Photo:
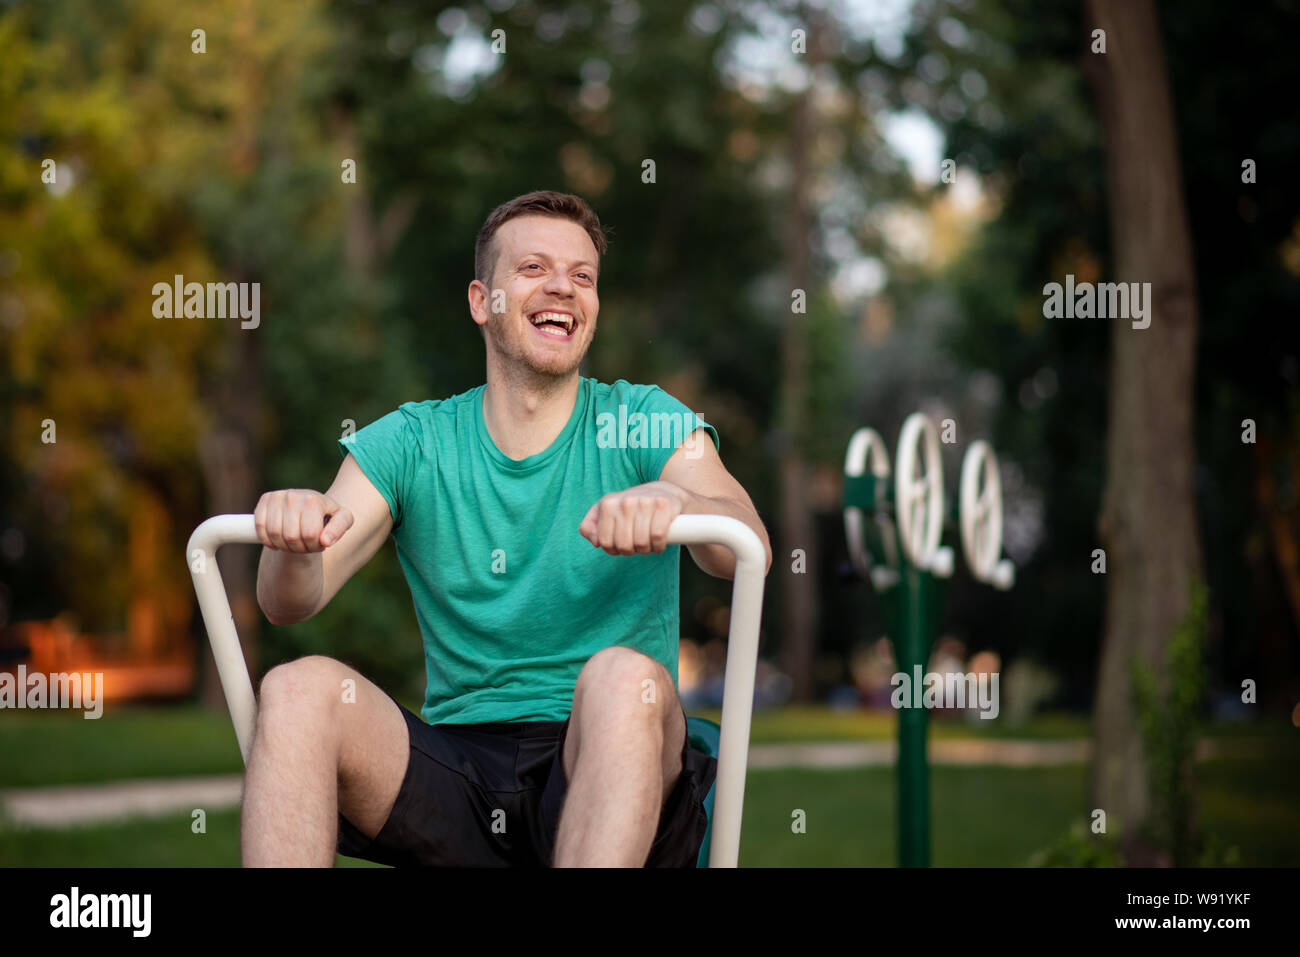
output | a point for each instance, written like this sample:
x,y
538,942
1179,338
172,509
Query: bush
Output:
x,y
1169,723
1078,848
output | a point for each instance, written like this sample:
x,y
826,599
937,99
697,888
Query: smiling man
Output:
x,y
547,596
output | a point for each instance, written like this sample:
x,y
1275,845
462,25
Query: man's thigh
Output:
x,y
374,749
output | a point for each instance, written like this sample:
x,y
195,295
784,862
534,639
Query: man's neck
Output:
x,y
525,415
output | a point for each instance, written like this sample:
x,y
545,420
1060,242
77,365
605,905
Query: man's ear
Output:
x,y
477,291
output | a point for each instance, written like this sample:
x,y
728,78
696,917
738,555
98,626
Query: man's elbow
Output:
x,y
276,619
270,613
288,616
278,615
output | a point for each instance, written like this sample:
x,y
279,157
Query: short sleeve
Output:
x,y
387,450
670,424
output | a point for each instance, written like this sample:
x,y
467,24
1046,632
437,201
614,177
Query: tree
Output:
x,y
1148,518
1033,134
799,611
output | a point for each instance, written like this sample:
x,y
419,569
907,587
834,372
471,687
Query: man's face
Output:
x,y
546,268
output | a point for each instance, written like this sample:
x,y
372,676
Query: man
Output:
x,y
533,537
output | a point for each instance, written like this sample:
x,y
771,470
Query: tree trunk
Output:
x,y
228,452
1148,517
799,610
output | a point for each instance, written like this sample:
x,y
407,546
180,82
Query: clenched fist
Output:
x,y
300,520
634,521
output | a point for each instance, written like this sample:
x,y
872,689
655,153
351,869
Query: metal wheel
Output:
x,y
981,510
866,449
918,490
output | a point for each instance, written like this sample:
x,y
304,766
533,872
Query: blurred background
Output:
x,y
919,168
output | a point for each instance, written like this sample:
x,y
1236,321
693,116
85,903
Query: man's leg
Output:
x,y
318,752
622,758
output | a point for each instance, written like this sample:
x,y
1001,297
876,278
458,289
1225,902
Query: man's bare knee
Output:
x,y
622,683
621,676
306,689
315,702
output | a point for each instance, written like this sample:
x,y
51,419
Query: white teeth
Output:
x,y
566,321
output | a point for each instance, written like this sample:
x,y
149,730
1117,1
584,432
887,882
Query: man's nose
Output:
x,y
559,282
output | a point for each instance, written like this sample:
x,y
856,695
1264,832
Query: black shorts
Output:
x,y
489,795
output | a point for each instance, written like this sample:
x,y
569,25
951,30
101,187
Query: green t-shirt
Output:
x,y
511,600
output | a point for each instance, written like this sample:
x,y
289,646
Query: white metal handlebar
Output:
x,y
737,693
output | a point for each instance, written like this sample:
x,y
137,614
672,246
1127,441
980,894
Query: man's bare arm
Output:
x,y
307,559
697,470
693,482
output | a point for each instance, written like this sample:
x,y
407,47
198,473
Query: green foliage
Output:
x,y
1079,848
1168,709
1168,718
1035,140
1216,852
227,163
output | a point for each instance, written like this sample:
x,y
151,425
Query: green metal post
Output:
x,y
911,608
915,634
912,599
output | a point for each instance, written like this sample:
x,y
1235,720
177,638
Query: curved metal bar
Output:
x,y
742,650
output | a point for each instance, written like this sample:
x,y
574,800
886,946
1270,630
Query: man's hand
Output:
x,y
307,558
300,520
634,521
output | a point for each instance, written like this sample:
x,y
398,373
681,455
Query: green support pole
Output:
x,y
911,599
917,614
913,790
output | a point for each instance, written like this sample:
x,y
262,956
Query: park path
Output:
x,y
71,805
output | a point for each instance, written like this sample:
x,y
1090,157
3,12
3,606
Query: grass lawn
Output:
x,y
165,841
39,748
819,723
996,817
982,817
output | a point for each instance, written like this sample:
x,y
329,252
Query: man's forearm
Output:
x,y
718,560
289,585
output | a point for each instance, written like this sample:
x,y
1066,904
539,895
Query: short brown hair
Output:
x,y
543,202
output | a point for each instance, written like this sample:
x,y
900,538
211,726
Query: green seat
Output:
x,y
703,735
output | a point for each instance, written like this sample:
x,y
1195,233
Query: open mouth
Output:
x,y
557,325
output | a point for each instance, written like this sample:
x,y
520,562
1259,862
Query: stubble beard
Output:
x,y
521,366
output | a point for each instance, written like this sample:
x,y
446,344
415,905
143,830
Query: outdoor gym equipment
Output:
x,y
895,537
981,517
728,743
